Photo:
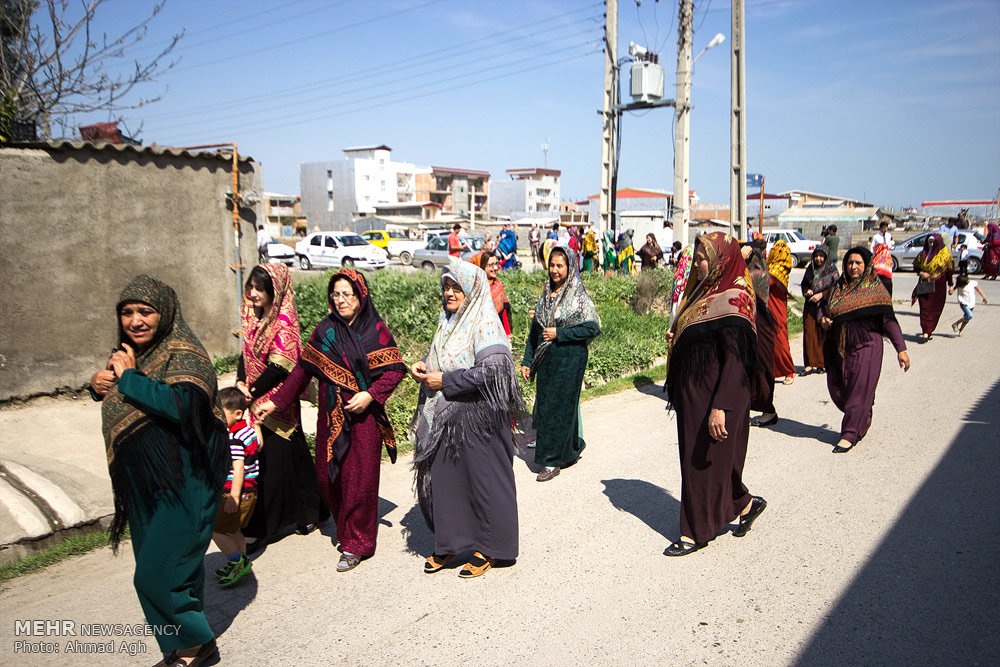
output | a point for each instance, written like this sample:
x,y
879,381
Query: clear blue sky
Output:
x,y
895,101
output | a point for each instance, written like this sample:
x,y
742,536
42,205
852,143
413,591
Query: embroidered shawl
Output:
x,y
853,299
273,339
819,279
882,260
681,273
935,258
570,306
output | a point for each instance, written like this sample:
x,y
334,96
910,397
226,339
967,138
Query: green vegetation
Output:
x,y
226,364
410,304
72,546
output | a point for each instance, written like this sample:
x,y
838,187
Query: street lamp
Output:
x,y
682,131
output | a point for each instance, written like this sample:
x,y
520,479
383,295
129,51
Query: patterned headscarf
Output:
x,y
273,339
779,261
849,299
351,357
882,260
497,292
175,355
570,306
759,274
992,233
935,258
725,293
461,335
681,273
820,278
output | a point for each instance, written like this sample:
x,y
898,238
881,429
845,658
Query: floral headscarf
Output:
x,y
852,299
935,258
780,262
273,339
681,273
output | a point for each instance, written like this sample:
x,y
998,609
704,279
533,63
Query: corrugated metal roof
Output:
x,y
106,146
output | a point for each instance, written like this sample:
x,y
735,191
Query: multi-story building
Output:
x,y
455,190
335,194
282,213
528,190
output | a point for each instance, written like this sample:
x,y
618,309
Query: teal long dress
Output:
x,y
559,379
170,543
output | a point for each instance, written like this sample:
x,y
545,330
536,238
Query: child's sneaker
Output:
x,y
224,570
239,569
954,327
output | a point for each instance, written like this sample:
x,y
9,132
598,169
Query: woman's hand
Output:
x,y
809,292
123,359
526,373
531,314
670,336
359,402
264,409
433,380
549,333
418,371
825,322
717,424
244,389
924,275
102,382
815,298
904,360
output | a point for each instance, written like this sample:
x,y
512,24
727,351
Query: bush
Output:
x,y
410,304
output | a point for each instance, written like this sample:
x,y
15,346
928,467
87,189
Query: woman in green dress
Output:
x,y
167,458
562,326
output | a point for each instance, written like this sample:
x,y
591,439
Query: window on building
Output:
x,y
329,173
329,200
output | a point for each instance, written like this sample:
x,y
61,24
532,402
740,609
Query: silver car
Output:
x,y
905,252
435,253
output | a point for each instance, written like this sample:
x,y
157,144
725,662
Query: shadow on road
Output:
x,y
649,503
419,538
796,429
646,385
223,605
929,593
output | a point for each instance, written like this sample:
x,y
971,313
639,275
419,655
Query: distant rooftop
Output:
x,y
534,171
460,172
637,193
373,147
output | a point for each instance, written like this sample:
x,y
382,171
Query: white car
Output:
x,y
801,247
279,253
338,249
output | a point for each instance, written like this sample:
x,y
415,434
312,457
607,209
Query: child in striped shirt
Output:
x,y
240,492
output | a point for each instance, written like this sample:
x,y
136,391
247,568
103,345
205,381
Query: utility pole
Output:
x,y
609,115
682,131
738,126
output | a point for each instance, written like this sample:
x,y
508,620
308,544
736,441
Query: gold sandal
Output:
x,y
477,566
435,563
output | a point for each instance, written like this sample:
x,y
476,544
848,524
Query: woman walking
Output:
x,y
168,458
355,359
555,355
934,266
626,253
491,265
762,384
712,358
590,259
464,453
820,276
779,263
991,251
272,343
650,254
857,315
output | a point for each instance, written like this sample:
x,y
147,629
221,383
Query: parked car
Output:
x,y
801,247
904,253
397,244
435,253
279,253
338,249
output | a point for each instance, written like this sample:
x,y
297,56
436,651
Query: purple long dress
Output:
x,y
353,496
852,380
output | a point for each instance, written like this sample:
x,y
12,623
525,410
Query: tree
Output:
x,y
53,65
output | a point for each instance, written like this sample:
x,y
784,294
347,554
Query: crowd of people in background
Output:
x,y
190,462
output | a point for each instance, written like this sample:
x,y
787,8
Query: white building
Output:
x,y
334,194
528,190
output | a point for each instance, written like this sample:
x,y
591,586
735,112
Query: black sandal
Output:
x,y
757,505
682,548
837,449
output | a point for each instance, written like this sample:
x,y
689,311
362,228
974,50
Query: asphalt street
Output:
x,y
884,555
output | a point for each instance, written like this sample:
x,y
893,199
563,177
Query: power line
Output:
x,y
327,116
421,60
390,88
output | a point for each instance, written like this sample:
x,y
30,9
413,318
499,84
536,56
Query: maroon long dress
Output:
x,y
852,379
712,489
777,305
353,496
762,395
932,304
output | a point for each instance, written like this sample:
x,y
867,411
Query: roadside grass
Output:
x,y
72,546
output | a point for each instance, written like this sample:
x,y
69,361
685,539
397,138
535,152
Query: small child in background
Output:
x,y
963,259
240,493
966,299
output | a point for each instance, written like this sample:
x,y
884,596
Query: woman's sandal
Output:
x,y
348,562
478,565
434,563
788,379
683,548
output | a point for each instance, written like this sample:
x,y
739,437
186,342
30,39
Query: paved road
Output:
x,y
883,555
